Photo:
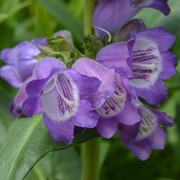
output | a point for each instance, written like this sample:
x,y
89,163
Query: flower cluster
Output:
x,y
101,93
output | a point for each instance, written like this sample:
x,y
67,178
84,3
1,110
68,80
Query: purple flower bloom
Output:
x,y
91,68
150,134
114,103
20,61
61,94
151,64
117,108
112,14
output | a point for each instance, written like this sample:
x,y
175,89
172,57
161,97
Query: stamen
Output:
x,y
148,66
145,127
118,98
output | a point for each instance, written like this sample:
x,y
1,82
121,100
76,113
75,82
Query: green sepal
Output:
x,y
92,44
59,44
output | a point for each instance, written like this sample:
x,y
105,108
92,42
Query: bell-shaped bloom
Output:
x,y
114,101
60,95
112,14
151,64
150,133
117,109
92,68
20,61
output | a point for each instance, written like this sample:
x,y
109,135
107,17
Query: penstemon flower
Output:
x,y
151,64
60,95
150,133
116,105
20,61
113,14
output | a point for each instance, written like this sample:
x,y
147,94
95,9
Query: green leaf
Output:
x,y
5,115
28,141
64,165
9,8
65,17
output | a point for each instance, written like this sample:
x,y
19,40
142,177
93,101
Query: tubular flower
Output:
x,y
91,68
20,61
114,108
151,64
112,14
60,95
150,133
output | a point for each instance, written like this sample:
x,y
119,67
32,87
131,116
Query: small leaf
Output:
x,y
28,141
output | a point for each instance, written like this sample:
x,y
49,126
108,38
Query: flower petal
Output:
x,y
85,115
32,106
8,73
168,65
28,52
86,85
16,104
154,94
156,36
35,87
115,56
65,34
91,68
141,149
42,41
128,115
44,67
9,56
107,126
60,131
111,14
160,5
25,68
128,133
124,33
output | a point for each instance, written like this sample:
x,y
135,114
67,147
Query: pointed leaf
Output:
x,y
28,141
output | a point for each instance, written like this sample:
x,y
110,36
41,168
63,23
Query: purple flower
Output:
x,y
114,101
20,61
60,95
150,134
151,64
117,109
112,14
92,68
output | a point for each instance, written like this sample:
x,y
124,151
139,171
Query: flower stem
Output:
x,y
91,152
91,149
90,6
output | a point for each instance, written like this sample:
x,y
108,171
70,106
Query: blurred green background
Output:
x,y
22,20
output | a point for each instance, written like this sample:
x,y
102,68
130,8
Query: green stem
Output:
x,y
91,152
90,6
91,149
